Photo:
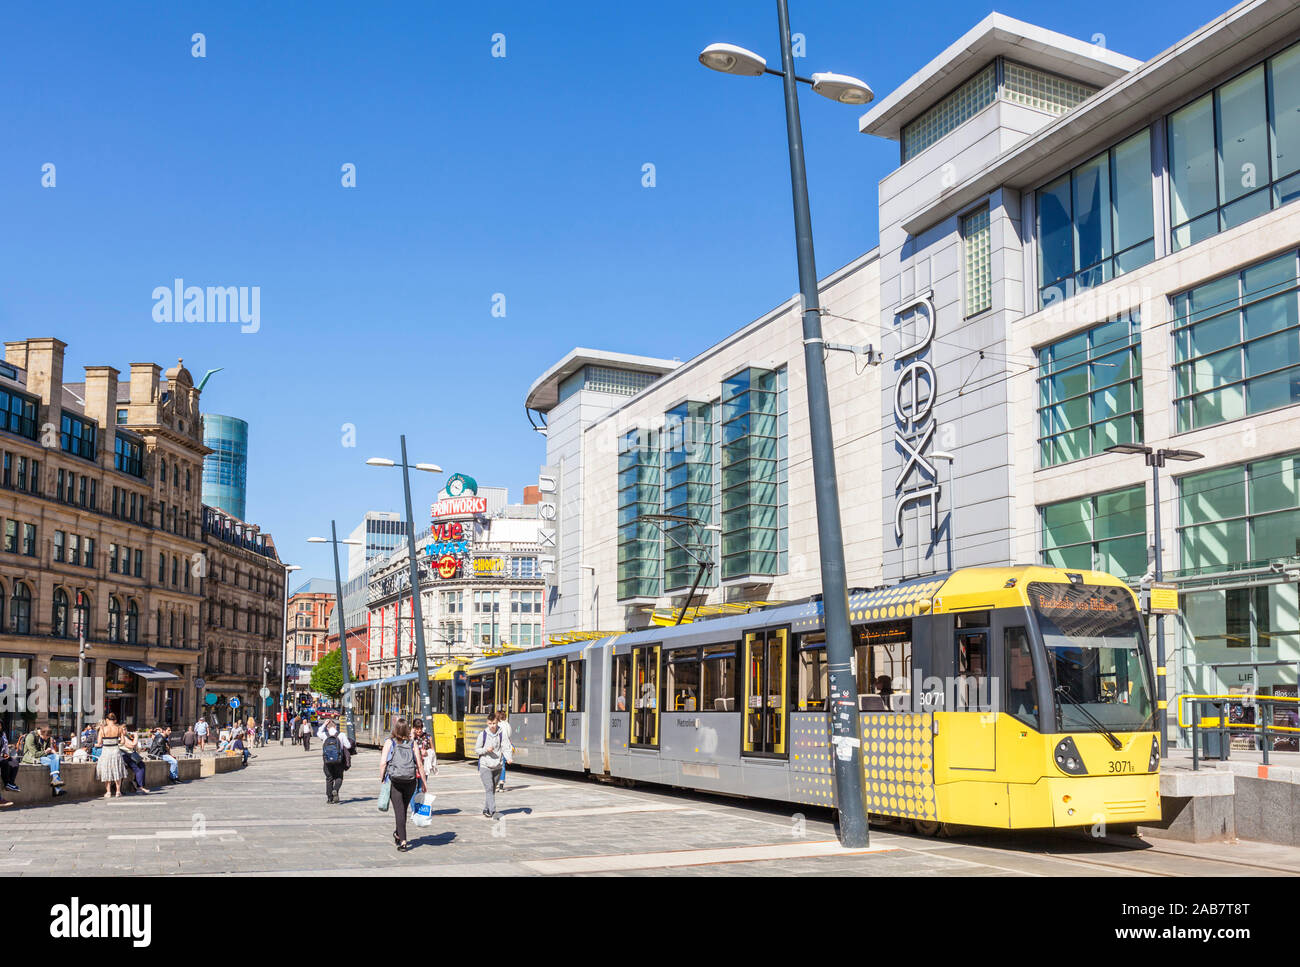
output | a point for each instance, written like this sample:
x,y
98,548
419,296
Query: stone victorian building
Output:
x,y
102,539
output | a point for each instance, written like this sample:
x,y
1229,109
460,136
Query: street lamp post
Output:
x,y
1155,459
417,609
284,644
845,724
343,635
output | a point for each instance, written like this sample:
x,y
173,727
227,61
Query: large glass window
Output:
x,y
1237,344
958,107
20,610
1245,513
77,436
1090,391
17,414
684,680
978,253
128,456
812,673
1105,532
619,682
1096,222
1234,153
754,473
688,492
638,494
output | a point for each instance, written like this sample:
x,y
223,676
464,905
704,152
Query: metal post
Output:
x,y
845,723
1155,460
343,636
417,612
1196,753
284,654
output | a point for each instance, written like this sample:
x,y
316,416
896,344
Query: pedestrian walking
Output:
x,y
191,738
305,731
507,749
336,754
401,767
111,768
424,748
201,731
491,756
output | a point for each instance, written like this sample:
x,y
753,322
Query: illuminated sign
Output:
x,y
459,507
447,566
447,539
489,566
459,485
914,396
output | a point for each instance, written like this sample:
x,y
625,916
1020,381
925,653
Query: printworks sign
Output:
x,y
917,484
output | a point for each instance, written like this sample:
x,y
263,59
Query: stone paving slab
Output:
x,y
271,819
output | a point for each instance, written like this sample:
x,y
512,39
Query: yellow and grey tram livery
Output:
x,y
379,703
1009,697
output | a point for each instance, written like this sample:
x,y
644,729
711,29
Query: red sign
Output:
x,y
447,566
460,507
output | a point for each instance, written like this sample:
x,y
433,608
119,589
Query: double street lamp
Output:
x,y
1155,459
343,633
417,611
845,724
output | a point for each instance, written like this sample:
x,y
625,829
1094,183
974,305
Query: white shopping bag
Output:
x,y
422,809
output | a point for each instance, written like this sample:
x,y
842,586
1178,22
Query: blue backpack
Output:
x,y
332,750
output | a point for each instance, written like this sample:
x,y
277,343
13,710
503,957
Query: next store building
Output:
x,y
1077,250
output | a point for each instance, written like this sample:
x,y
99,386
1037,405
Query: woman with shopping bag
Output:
x,y
400,772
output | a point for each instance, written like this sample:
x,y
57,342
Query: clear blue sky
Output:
x,y
475,175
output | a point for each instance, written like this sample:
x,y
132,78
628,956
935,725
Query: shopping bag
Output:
x,y
385,791
422,809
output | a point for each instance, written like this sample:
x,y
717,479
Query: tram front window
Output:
x,y
1096,656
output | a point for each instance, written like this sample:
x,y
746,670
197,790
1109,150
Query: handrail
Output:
x,y
1224,728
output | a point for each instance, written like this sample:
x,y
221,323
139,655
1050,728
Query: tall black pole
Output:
x,y
343,636
1155,460
417,612
846,730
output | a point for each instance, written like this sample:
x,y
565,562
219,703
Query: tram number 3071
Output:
x,y
1120,765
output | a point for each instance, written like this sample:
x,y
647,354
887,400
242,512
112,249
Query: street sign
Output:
x,y
264,692
234,703
209,699
269,701
1163,599
199,683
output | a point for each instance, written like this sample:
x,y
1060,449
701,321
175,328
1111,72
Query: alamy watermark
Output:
x,y
214,303
38,695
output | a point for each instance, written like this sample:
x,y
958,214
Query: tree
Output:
x,y
327,676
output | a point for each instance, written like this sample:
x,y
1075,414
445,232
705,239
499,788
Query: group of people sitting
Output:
x,y
116,752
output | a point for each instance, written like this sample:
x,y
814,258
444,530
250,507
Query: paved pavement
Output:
x,y
271,818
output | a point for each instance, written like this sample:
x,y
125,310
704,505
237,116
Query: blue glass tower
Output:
x,y
225,470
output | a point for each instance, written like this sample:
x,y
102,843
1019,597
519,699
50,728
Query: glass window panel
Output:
x,y
1121,513
1275,535
1112,401
1276,389
1228,403
1286,111
1092,212
1121,430
1135,257
1213,495
1055,232
1214,545
1123,558
1271,315
1243,136
1244,209
1275,484
1068,522
1131,188
1272,352
1192,160
1073,445
1211,372
1072,382
1078,557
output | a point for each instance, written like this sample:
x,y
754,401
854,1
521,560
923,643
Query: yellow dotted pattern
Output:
x,y
898,763
896,602
811,767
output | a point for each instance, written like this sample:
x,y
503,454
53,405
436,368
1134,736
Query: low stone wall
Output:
x,y
79,781
1230,800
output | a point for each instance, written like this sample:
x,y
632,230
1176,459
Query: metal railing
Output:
x,y
1218,723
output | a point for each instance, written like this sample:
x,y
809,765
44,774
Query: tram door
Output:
x,y
556,676
501,692
766,710
645,695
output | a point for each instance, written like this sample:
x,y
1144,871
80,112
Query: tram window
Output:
x,y
519,691
812,673
575,687
972,671
481,688
884,659
618,686
973,619
684,680
1022,688
718,679
537,689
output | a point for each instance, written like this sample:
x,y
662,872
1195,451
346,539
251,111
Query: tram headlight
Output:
x,y
1068,759
1154,762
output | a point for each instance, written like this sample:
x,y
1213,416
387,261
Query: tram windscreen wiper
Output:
x,y
1064,691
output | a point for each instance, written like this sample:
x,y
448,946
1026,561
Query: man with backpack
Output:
x,y
490,749
336,754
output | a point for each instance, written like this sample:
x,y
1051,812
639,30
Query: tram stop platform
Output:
x,y
1227,799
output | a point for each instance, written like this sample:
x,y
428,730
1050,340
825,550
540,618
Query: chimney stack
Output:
x,y
101,406
45,377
